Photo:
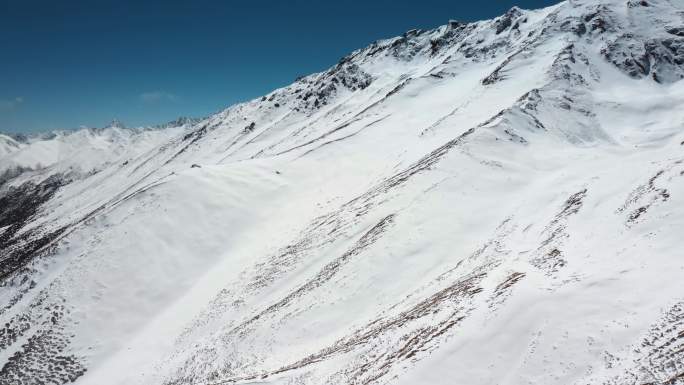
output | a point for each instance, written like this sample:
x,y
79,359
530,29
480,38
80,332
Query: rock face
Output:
x,y
480,203
662,59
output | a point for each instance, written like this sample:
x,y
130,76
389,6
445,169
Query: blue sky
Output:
x,y
64,64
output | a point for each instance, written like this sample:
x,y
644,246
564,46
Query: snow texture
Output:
x,y
497,202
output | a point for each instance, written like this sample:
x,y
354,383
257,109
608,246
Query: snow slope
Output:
x,y
484,203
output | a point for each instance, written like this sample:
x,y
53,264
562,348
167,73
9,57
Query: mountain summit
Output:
x,y
497,202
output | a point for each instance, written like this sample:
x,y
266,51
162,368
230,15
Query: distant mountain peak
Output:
x,y
115,123
178,122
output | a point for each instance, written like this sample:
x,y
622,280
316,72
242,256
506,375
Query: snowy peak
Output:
x,y
615,27
116,123
180,122
8,145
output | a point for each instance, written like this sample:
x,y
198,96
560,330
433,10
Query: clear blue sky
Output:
x,y
64,64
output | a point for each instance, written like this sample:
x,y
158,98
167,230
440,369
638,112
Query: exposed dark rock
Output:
x,y
455,23
575,26
645,196
18,206
249,127
456,32
598,20
677,31
506,21
42,359
637,3
662,59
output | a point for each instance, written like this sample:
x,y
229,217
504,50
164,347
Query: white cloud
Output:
x,y
10,104
157,96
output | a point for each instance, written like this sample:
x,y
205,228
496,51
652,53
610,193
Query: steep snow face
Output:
x,y
483,203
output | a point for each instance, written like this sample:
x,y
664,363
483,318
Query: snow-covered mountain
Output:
x,y
83,151
8,145
499,202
